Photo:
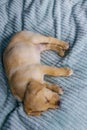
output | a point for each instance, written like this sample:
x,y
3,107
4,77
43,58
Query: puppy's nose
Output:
x,y
58,102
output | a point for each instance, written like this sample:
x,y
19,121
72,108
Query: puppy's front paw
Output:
x,y
60,91
68,71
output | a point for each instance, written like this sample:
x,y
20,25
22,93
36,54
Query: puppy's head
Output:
x,y
38,98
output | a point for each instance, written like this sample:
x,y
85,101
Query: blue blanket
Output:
x,y
63,19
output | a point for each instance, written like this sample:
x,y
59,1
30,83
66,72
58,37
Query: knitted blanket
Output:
x,y
63,19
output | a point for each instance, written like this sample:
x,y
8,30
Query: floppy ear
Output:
x,y
31,90
37,113
32,113
27,99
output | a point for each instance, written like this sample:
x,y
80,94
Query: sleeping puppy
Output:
x,y
25,73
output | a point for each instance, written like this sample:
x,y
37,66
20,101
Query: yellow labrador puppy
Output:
x,y
25,73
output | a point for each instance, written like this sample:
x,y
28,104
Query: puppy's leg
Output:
x,y
55,47
54,88
50,43
38,38
54,71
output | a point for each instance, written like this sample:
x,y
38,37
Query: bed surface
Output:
x,y
63,19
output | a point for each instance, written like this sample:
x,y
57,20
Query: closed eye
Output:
x,y
47,100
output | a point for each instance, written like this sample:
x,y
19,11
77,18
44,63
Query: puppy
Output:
x,y
25,73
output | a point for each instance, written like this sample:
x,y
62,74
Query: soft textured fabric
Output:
x,y
63,19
